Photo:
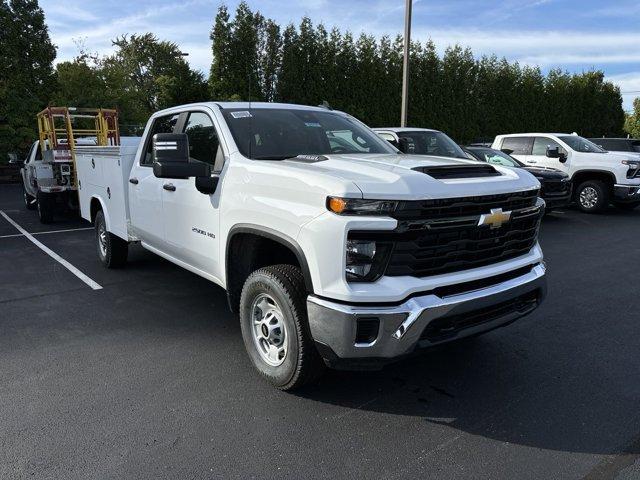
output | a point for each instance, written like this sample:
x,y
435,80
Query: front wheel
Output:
x,y
112,250
275,330
592,196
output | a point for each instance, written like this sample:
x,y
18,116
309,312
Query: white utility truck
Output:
x,y
333,248
599,177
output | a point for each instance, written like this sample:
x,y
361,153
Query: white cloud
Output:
x,y
629,84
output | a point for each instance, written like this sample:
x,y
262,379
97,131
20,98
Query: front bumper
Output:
x,y
626,193
420,321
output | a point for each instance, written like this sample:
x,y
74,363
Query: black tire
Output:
x,y
29,202
592,196
627,205
45,205
284,285
112,250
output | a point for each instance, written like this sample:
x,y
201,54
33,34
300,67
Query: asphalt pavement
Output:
x,y
147,377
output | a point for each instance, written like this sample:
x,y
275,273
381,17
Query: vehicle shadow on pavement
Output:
x,y
509,391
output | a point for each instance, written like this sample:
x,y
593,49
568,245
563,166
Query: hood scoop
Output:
x,y
445,172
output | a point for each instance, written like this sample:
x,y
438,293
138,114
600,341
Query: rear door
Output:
x,y
192,219
145,189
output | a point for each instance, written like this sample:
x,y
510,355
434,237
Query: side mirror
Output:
x,y
553,152
394,143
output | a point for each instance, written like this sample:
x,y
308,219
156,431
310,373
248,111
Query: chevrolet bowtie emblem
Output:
x,y
496,218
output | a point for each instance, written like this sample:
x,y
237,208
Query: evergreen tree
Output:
x,y
27,80
632,122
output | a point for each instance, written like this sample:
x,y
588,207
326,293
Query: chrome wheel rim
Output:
x,y
589,197
102,240
268,330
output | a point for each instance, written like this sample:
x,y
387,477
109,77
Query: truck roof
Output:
x,y
533,134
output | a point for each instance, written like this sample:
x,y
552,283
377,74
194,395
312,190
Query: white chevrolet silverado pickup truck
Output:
x,y
598,177
334,249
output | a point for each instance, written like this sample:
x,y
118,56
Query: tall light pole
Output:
x,y
405,63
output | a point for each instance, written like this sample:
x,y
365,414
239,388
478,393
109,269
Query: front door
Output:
x,y
539,157
145,189
192,219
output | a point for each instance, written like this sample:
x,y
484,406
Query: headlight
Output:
x,y
366,260
358,206
634,167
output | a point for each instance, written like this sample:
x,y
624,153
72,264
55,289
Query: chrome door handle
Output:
x,y
170,187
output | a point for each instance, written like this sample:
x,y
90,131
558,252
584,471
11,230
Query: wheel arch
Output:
x,y
259,237
585,175
95,205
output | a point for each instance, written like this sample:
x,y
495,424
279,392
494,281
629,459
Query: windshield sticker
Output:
x,y
312,124
241,114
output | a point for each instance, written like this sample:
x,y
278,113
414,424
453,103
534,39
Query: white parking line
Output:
x,y
49,231
52,254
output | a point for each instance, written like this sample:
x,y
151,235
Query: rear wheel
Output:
x,y
29,200
45,204
592,196
273,318
112,250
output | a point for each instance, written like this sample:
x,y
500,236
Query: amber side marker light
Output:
x,y
337,205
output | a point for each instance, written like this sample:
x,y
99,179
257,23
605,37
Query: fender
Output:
x,y
277,237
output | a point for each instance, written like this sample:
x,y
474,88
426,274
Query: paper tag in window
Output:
x,y
312,124
241,114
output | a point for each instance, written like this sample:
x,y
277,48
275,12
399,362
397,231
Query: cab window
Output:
x,y
517,145
540,145
164,124
204,143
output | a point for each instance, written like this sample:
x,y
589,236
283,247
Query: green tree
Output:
x,y
632,123
146,74
27,80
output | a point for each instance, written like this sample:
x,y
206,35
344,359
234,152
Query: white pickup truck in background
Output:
x,y
598,177
333,248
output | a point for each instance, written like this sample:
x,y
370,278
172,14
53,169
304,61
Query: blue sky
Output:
x,y
573,34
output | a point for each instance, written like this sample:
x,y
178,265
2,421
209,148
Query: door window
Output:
x,y
517,145
204,143
540,145
164,124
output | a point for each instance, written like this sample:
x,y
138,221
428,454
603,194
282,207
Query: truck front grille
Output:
x,y
445,236
455,207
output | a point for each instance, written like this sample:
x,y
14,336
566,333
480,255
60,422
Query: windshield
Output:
x,y
430,143
278,134
580,144
496,157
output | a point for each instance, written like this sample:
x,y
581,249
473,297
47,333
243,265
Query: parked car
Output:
x,y
421,141
555,184
598,177
334,249
619,145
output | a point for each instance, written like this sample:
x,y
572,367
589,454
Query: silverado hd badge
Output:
x,y
496,218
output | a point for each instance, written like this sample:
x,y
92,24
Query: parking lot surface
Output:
x,y
147,377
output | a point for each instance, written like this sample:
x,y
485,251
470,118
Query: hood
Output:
x,y
401,177
619,156
546,172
